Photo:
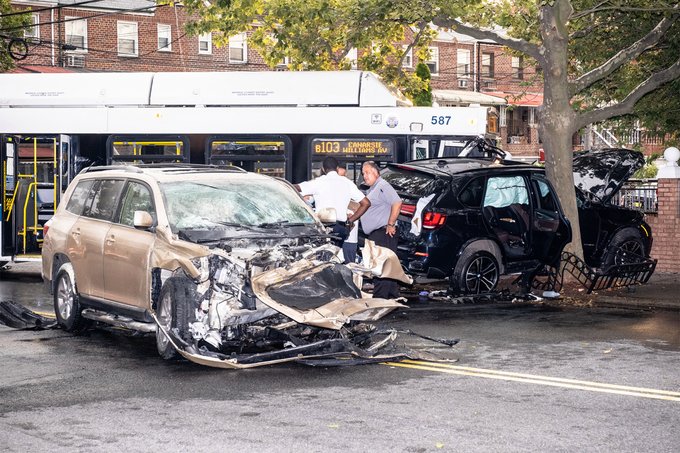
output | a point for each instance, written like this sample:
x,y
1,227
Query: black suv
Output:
x,y
610,234
473,220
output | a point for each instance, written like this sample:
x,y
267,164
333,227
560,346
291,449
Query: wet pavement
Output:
x,y
529,376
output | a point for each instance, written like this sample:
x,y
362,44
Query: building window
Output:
x,y
205,43
487,64
518,68
353,56
463,63
76,34
164,38
238,49
32,33
433,60
283,64
128,39
407,61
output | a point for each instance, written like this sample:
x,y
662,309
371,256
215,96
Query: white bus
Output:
x,y
278,123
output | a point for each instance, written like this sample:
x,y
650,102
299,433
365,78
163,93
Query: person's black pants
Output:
x,y
384,288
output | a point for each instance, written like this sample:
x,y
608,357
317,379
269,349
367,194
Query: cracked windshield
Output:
x,y
232,204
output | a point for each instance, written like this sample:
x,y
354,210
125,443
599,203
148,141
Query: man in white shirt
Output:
x,y
331,190
349,247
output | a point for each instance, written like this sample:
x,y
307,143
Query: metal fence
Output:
x,y
638,194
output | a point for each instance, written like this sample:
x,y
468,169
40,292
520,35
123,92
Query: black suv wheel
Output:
x,y
476,272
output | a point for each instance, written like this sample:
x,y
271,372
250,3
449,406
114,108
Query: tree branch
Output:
x,y
517,44
623,9
625,55
628,103
422,26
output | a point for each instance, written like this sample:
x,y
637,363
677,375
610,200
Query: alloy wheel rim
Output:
x,y
629,252
65,298
481,275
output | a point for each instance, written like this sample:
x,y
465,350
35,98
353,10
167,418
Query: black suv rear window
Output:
x,y
409,182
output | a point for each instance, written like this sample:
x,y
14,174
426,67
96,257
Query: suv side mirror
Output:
x,y
142,220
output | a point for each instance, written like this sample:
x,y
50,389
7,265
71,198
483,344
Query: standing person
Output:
x,y
380,222
330,190
349,247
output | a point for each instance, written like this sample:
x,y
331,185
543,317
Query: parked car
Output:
x,y
610,234
473,220
228,268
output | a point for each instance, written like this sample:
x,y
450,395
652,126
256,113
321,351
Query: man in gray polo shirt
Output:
x,y
379,222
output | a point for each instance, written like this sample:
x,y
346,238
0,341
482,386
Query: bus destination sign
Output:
x,y
353,146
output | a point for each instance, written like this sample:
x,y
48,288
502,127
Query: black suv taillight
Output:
x,y
433,220
407,209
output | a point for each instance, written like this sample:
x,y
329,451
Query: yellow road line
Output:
x,y
541,380
546,378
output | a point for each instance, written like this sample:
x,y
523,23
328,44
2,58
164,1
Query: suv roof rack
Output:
x,y
169,167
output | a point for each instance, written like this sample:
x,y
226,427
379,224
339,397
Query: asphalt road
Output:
x,y
528,378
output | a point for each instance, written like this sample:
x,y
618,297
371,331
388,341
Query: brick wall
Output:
x,y
102,44
665,226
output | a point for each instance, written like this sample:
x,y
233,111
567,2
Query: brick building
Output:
x,y
126,35
138,35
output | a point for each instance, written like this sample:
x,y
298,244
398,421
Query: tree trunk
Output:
x,y
556,131
558,119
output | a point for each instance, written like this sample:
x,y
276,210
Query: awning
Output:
x,y
466,97
40,69
519,99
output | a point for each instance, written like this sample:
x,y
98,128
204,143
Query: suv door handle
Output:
x,y
75,233
110,240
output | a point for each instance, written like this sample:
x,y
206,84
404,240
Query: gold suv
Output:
x,y
227,268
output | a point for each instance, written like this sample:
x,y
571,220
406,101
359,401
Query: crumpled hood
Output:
x,y
319,294
602,173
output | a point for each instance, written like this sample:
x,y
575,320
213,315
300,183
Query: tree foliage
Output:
x,y
10,27
321,34
423,97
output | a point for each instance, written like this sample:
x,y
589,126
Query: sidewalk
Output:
x,y
661,292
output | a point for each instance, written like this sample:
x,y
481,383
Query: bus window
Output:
x,y
256,155
138,149
37,158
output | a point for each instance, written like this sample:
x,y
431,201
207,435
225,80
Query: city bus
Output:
x,y
277,123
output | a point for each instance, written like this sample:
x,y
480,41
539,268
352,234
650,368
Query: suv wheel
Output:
x,y
476,272
626,247
172,313
66,300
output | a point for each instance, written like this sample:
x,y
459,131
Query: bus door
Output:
x,y
145,149
352,151
30,192
266,154
8,152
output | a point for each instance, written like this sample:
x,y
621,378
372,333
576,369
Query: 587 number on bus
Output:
x,y
441,120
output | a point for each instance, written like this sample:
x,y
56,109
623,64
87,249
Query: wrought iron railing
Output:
x,y
639,194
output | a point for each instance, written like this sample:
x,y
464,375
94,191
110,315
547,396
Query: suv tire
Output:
x,y
67,301
476,272
174,305
625,247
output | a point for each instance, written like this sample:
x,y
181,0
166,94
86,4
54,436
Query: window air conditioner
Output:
x,y
75,61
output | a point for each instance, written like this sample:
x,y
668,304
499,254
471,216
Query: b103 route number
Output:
x,y
441,120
